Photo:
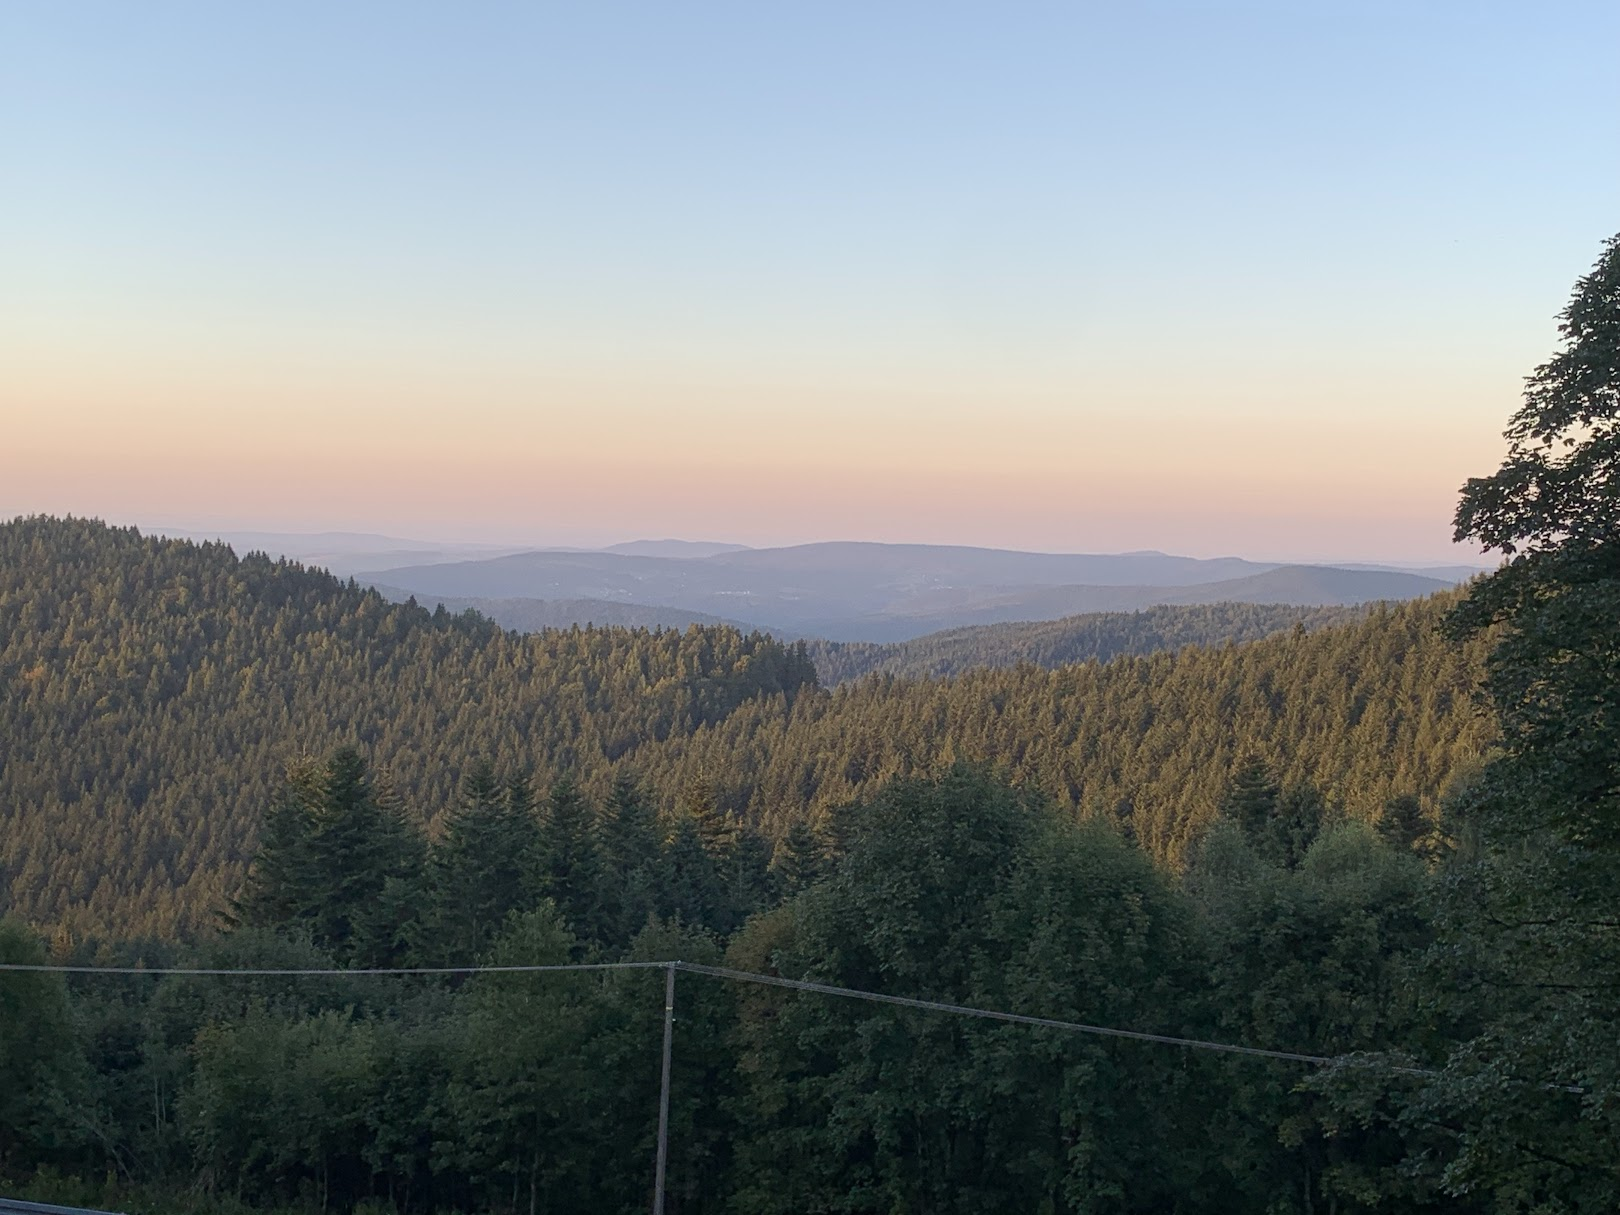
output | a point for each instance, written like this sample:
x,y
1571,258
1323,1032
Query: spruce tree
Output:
x,y
1250,799
279,883
690,887
746,875
1301,812
480,870
799,860
354,850
388,927
1402,825
627,831
698,803
571,873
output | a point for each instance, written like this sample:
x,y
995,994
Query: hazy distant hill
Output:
x,y
1049,644
893,592
1314,584
346,553
943,564
1299,586
680,549
1445,573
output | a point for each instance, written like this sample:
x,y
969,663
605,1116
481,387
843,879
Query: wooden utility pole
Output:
x,y
663,1091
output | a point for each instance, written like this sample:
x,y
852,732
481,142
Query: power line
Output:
x,y
718,972
963,1010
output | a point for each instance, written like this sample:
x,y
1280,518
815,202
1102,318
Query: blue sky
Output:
x,y
1258,278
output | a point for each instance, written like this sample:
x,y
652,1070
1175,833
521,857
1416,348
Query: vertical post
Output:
x,y
663,1092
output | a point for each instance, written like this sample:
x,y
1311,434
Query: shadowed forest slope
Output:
x,y
154,692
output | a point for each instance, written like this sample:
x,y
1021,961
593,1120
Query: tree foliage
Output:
x,y
1532,915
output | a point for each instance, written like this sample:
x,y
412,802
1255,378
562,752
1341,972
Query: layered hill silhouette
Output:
x,y
879,592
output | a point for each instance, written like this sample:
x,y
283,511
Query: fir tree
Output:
x,y
746,875
354,847
1300,814
690,889
1402,825
571,874
799,860
1250,799
279,882
627,831
481,869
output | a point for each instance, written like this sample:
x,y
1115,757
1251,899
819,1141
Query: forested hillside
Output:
x,y
1366,712
155,692
1096,637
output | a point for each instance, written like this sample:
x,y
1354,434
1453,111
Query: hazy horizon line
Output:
x,y
509,547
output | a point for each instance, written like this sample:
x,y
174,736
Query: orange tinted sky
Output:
x,y
1252,282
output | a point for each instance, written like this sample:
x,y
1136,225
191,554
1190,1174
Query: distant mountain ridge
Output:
x,y
856,591
840,590
687,549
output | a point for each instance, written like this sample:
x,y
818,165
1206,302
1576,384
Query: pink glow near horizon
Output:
x,y
596,464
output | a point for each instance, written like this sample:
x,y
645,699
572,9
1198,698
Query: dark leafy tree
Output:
x,y
43,1078
1315,957
1535,909
964,890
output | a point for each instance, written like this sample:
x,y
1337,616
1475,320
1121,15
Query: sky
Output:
x,y
1260,279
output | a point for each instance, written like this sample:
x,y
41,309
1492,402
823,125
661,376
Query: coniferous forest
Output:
x,y
1390,843
1096,636
158,692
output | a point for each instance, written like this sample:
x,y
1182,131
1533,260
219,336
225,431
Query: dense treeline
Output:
x,y
155,692
1093,637
523,1092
